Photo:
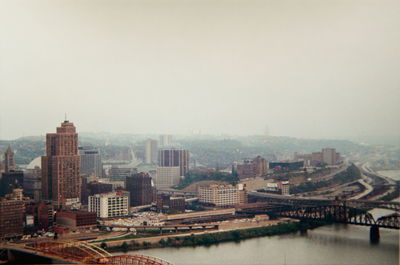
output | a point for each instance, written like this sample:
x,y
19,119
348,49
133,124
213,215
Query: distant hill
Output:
x,y
212,151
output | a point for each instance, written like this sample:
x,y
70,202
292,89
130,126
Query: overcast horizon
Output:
x,y
306,69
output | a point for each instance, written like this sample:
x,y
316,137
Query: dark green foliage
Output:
x,y
215,238
393,195
237,235
146,244
192,177
125,246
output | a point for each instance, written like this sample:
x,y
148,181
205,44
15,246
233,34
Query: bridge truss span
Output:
x,y
83,253
340,214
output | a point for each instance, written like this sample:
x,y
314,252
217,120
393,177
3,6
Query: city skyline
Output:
x,y
305,69
200,132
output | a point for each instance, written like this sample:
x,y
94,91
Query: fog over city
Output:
x,y
311,69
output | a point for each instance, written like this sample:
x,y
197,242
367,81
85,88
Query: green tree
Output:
x,y
125,246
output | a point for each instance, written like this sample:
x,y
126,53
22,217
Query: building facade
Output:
x,y
167,203
251,168
174,158
167,176
90,161
165,140
76,219
286,165
120,172
108,205
11,218
13,179
61,181
9,161
328,156
33,183
141,188
284,187
219,194
151,152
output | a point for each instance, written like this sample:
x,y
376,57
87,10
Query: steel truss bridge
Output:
x,y
340,214
338,211
82,253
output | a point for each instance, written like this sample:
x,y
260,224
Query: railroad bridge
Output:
x,y
75,252
338,211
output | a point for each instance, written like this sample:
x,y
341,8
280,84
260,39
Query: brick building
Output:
x,y
11,218
61,180
76,219
251,168
327,156
141,188
168,203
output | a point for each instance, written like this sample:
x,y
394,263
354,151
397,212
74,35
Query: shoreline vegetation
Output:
x,y
392,195
209,239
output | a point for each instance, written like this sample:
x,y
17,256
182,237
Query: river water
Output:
x,y
332,244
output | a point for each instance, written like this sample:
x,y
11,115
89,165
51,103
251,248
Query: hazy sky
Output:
x,y
315,69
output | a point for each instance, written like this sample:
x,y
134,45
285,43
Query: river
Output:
x,y
332,244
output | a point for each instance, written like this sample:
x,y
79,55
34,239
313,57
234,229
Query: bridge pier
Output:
x,y
374,234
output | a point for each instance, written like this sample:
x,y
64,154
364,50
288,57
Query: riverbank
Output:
x,y
208,239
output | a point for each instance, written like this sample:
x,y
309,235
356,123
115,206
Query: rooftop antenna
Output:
x,y
65,117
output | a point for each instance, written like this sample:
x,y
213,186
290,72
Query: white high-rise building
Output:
x,y
165,140
151,155
111,204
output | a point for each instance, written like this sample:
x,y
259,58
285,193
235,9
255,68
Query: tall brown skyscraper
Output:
x,y
60,166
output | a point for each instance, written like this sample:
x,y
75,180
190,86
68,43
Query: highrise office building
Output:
x,y
151,151
165,140
61,181
90,161
174,158
9,162
329,156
